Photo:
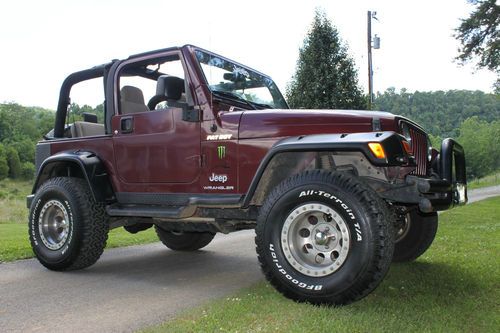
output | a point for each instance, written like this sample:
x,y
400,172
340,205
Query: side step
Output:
x,y
157,205
171,212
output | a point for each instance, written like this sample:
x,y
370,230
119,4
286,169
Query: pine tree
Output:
x,y
325,76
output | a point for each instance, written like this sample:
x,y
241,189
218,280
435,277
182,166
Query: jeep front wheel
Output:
x,y
414,236
68,229
324,237
184,241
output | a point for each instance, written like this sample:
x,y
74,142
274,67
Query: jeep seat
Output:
x,y
170,89
83,128
132,100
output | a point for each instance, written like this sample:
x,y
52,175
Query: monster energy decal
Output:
x,y
221,152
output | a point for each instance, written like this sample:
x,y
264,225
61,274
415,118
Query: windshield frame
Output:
x,y
275,93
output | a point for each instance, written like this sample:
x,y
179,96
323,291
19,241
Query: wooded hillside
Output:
x,y
440,112
472,117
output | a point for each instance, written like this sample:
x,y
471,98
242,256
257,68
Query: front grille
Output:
x,y
419,146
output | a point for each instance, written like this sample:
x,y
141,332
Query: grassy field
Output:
x,y
14,242
493,179
454,287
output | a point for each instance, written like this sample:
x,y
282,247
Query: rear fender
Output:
x,y
80,164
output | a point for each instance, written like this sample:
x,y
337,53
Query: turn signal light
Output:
x,y
407,147
377,149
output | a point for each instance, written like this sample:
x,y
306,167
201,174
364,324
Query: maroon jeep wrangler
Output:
x,y
192,144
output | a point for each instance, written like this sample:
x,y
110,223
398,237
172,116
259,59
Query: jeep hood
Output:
x,y
282,123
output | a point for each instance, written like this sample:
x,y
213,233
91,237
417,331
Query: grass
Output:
x,y
14,242
453,287
13,201
491,180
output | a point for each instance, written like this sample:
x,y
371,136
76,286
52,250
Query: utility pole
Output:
x,y
370,69
376,45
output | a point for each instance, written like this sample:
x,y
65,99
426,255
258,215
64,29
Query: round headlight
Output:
x,y
405,131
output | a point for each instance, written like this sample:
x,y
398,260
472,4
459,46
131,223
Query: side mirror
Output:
x,y
191,114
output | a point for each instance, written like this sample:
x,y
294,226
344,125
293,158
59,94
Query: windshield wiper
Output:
x,y
234,97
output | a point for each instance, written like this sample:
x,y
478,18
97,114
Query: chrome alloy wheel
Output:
x,y
53,225
315,239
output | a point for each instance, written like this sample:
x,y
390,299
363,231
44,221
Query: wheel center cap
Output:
x,y
321,237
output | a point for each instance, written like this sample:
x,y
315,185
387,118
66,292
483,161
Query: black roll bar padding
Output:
x,y
451,149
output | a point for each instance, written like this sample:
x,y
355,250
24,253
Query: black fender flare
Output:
x,y
391,142
87,163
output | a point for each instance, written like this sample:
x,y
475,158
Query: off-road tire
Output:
x,y
184,241
85,220
370,230
419,236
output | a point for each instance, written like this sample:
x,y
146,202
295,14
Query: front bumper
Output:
x,y
437,193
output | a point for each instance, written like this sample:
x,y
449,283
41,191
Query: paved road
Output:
x,y
127,289
130,288
483,193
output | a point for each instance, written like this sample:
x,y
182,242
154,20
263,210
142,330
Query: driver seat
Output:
x,y
170,89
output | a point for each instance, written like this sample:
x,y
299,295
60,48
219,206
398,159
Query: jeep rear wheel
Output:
x,y
414,236
67,228
324,237
184,241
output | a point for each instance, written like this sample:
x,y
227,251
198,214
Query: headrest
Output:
x,y
170,86
132,94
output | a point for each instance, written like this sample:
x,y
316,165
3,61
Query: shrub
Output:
x,y
14,163
28,170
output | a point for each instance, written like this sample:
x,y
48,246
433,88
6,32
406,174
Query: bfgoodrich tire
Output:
x,y
67,228
184,241
325,238
415,236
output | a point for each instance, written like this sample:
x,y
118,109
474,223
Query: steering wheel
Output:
x,y
153,102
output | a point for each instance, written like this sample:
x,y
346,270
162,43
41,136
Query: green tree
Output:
x,y
440,112
27,170
14,163
25,148
4,166
325,75
479,36
481,142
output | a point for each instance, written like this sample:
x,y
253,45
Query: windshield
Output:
x,y
233,81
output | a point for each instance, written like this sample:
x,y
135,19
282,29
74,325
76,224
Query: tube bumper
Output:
x,y
439,193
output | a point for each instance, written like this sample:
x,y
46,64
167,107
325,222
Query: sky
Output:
x,y
44,41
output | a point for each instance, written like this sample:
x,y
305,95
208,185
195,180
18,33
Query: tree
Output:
x,y
27,171
325,75
440,113
4,167
479,36
480,140
14,163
